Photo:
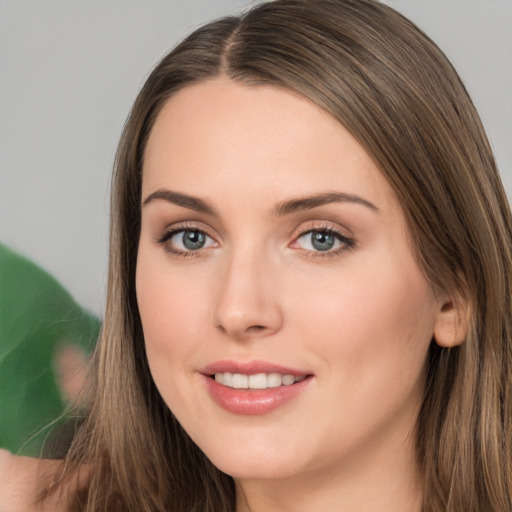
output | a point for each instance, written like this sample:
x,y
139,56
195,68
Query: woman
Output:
x,y
309,286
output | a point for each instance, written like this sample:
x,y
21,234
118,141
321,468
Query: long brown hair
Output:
x,y
395,91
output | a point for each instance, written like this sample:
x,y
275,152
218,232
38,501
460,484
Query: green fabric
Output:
x,y
37,315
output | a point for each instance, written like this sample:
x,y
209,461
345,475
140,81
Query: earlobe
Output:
x,y
452,323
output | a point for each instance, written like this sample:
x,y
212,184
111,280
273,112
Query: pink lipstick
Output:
x,y
255,387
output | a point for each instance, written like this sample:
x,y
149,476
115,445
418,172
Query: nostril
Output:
x,y
221,328
256,328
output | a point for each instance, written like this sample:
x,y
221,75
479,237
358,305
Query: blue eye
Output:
x,y
186,240
192,240
323,240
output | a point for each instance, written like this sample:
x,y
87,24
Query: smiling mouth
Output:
x,y
256,381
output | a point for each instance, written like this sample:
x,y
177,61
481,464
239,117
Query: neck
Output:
x,y
386,480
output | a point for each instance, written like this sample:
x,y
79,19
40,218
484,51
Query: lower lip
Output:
x,y
253,402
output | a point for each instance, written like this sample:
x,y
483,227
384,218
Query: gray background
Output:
x,y
69,72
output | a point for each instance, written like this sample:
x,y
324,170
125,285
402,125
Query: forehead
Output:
x,y
265,140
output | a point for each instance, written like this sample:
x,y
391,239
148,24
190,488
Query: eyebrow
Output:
x,y
314,201
282,209
190,202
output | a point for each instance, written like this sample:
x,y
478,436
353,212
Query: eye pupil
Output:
x,y
193,240
322,241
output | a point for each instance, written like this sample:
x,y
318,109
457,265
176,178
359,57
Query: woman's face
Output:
x,y
286,320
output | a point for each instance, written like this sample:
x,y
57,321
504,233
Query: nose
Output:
x,y
248,303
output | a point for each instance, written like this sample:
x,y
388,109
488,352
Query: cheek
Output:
x,y
370,337
376,323
171,313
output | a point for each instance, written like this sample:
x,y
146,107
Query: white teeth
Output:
x,y
288,380
274,380
256,381
228,379
240,381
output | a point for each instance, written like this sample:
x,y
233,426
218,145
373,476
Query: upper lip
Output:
x,y
250,368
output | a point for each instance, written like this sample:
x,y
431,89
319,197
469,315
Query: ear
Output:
x,y
452,323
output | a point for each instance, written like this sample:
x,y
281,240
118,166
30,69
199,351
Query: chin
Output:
x,y
252,470
265,463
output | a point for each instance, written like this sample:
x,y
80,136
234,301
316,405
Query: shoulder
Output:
x,y
22,479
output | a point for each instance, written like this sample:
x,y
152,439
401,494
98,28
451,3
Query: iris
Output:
x,y
193,240
322,241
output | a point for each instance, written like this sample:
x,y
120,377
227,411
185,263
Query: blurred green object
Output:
x,y
37,318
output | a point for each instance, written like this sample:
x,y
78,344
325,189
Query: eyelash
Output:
x,y
347,243
167,235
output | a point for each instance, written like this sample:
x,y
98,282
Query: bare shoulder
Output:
x,y
21,481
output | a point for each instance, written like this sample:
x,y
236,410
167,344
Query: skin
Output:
x,y
70,367
23,479
358,318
